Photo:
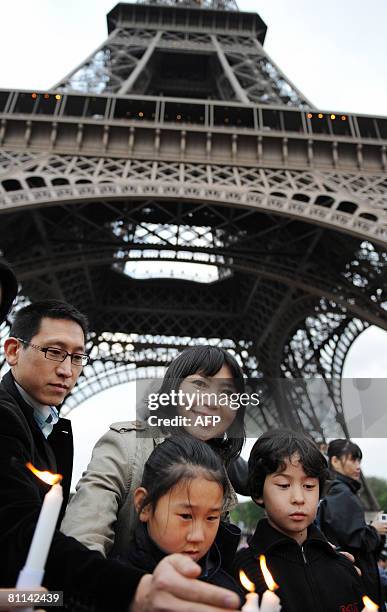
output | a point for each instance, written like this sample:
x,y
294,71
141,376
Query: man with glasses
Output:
x,y
46,353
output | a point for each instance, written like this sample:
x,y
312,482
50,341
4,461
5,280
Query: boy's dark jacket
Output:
x,y
341,519
216,565
311,577
71,567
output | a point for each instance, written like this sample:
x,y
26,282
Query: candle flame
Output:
x,y
47,477
249,586
369,604
270,582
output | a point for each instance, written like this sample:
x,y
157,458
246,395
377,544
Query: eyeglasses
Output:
x,y
55,354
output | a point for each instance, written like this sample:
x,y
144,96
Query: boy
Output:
x,y
286,475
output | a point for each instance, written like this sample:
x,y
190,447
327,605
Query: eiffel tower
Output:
x,y
179,189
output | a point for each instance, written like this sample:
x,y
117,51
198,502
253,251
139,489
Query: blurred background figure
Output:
x,y
341,516
382,565
8,289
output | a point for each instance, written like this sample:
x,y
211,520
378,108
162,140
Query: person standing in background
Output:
x,y
8,289
342,520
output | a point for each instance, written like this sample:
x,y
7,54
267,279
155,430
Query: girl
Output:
x,y
179,505
101,514
341,515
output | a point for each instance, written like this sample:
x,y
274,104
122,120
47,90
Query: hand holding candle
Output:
x,y
32,573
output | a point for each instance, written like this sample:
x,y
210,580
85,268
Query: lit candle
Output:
x,y
270,601
252,602
369,604
32,573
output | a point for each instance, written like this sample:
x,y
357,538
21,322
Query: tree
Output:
x,y
247,513
379,488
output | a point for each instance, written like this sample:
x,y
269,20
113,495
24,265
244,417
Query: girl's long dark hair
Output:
x,y
178,459
208,360
342,448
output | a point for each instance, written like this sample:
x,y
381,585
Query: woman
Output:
x,y
342,520
102,515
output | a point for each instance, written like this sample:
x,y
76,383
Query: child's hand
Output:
x,y
380,526
346,554
173,587
351,558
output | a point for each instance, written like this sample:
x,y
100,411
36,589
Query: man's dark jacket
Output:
x,y
81,573
310,577
341,518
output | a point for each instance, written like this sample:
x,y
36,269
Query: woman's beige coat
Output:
x,y
101,514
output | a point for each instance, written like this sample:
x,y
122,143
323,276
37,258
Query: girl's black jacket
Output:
x,y
341,519
310,577
216,565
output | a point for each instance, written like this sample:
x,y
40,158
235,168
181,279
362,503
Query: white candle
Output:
x,y
32,573
252,603
270,602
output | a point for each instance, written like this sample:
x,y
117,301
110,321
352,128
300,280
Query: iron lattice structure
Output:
x,y
180,142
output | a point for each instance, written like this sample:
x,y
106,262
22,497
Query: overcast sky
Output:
x,y
334,52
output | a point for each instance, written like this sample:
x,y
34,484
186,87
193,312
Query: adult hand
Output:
x,y
380,526
173,588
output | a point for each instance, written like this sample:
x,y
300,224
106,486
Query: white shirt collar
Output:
x,y
45,416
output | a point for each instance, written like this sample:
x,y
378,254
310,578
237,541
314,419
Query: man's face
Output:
x,y
47,381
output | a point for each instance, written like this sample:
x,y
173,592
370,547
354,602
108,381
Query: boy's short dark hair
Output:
x,y
27,320
270,451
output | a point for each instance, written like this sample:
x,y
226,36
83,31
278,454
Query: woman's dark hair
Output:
x,y
270,452
342,449
208,360
180,458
